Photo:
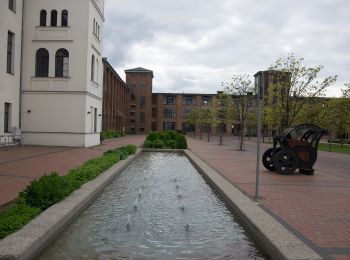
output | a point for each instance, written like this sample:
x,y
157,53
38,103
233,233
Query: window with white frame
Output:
x,y
62,63
53,18
64,18
10,52
43,17
42,63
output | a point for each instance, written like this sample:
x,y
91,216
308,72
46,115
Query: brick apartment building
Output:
x,y
169,110
161,111
140,82
116,100
146,111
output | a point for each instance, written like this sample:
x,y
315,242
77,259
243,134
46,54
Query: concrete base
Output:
x,y
62,139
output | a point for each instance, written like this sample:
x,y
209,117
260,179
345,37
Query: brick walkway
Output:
x,y
314,208
19,166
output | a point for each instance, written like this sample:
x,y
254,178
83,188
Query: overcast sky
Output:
x,y
194,45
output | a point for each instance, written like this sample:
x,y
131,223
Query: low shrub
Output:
x,y
181,142
166,140
46,191
15,217
111,134
50,189
130,149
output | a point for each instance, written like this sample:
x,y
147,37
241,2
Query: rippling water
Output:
x,y
158,208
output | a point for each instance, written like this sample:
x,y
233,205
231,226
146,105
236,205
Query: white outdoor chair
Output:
x,y
17,136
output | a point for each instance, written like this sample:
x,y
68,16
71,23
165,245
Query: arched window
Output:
x,y
53,18
62,63
92,67
42,18
64,18
42,63
98,32
93,27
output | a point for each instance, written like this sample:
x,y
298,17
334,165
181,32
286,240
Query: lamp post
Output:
x,y
206,104
260,86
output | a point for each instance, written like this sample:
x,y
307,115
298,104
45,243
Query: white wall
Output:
x,y
10,84
59,106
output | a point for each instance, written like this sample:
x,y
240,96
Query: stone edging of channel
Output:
x,y
275,240
31,240
162,150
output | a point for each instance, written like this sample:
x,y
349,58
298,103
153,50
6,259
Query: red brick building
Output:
x,y
161,111
116,100
140,82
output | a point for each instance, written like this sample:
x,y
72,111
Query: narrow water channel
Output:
x,y
160,207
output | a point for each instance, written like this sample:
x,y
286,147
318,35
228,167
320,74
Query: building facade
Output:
x,y
169,110
10,65
140,82
61,102
116,100
163,111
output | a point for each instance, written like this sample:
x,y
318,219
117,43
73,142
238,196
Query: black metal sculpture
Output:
x,y
295,148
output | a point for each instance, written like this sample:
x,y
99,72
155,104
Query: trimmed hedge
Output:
x,y
49,189
166,140
111,134
15,218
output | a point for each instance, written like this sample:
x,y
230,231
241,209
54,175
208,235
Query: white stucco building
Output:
x,y
10,63
61,78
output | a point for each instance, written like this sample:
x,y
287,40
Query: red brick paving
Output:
x,y
315,208
19,166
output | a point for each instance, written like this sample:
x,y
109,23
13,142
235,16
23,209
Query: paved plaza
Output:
x,y
314,208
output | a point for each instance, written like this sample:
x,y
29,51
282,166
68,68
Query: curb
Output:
x,y
275,240
162,150
33,238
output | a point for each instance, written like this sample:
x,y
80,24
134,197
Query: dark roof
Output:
x,y
139,70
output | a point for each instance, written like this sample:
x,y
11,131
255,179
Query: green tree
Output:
x,y
223,112
192,119
296,86
206,119
242,89
338,114
314,112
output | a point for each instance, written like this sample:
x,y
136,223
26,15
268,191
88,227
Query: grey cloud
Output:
x,y
194,45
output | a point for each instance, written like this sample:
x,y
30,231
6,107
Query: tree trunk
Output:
x,y
220,135
208,134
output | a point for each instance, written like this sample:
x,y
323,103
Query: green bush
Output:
x,y
166,140
130,149
181,142
111,134
46,191
50,189
15,218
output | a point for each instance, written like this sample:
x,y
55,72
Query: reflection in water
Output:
x,y
158,208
